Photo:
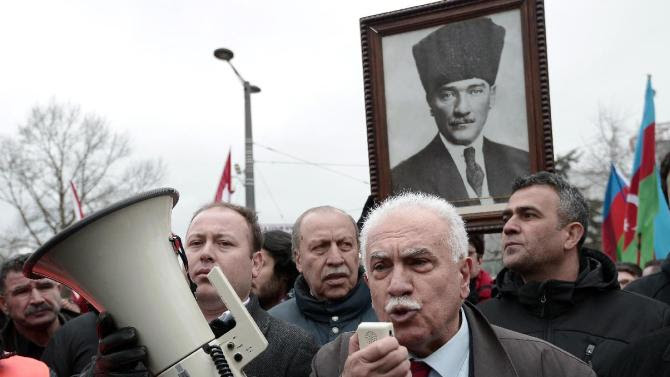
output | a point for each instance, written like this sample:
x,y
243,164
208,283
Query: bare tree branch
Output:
x,y
58,144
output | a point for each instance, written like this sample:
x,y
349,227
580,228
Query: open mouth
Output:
x,y
402,314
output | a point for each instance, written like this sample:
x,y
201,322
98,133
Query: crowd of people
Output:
x,y
555,309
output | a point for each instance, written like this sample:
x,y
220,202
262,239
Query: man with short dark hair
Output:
x,y
330,295
415,252
557,290
33,308
277,272
627,273
458,65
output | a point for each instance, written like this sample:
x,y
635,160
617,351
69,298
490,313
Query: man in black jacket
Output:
x,y
656,286
33,308
554,289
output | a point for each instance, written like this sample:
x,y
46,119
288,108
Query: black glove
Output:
x,y
118,352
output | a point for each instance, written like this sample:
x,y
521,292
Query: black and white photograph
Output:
x,y
457,123
459,118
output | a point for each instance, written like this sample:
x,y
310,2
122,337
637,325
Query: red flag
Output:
x,y
77,299
225,188
79,213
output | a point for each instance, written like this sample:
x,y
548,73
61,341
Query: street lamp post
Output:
x,y
227,55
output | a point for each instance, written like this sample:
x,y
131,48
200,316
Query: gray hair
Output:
x,y
455,238
572,207
295,233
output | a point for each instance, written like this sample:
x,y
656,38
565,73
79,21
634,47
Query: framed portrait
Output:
x,y
457,102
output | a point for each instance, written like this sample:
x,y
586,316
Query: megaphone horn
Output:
x,y
122,261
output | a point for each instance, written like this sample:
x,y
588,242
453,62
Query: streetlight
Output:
x,y
227,55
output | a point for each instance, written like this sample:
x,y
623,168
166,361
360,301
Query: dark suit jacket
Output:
x,y
433,171
290,348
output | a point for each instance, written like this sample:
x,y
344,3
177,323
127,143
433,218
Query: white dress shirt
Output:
x,y
453,358
457,153
227,315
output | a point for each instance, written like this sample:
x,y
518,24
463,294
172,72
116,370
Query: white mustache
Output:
x,y
402,302
343,269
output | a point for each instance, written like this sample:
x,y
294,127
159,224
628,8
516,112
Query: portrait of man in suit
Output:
x,y
458,66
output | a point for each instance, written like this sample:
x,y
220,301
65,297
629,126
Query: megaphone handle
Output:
x,y
178,248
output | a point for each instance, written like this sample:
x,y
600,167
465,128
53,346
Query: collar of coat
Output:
x,y
357,301
487,355
551,298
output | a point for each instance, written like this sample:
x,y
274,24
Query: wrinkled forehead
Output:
x,y
16,278
406,230
325,222
219,220
537,196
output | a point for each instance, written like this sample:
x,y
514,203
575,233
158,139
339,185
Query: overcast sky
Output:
x,y
147,68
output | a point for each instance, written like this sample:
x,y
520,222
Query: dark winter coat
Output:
x,y
648,356
591,318
656,286
71,348
16,343
326,319
494,352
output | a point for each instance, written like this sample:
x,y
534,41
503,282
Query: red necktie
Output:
x,y
419,368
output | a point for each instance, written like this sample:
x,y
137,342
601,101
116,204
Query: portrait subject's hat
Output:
x,y
459,51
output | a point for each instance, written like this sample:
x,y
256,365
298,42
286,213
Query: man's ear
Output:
x,y
492,96
575,232
464,270
257,262
296,258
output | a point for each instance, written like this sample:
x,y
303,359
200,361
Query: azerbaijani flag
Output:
x,y
645,204
614,213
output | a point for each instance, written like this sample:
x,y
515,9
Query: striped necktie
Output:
x,y
473,172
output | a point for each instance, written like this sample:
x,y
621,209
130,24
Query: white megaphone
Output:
x,y
122,261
